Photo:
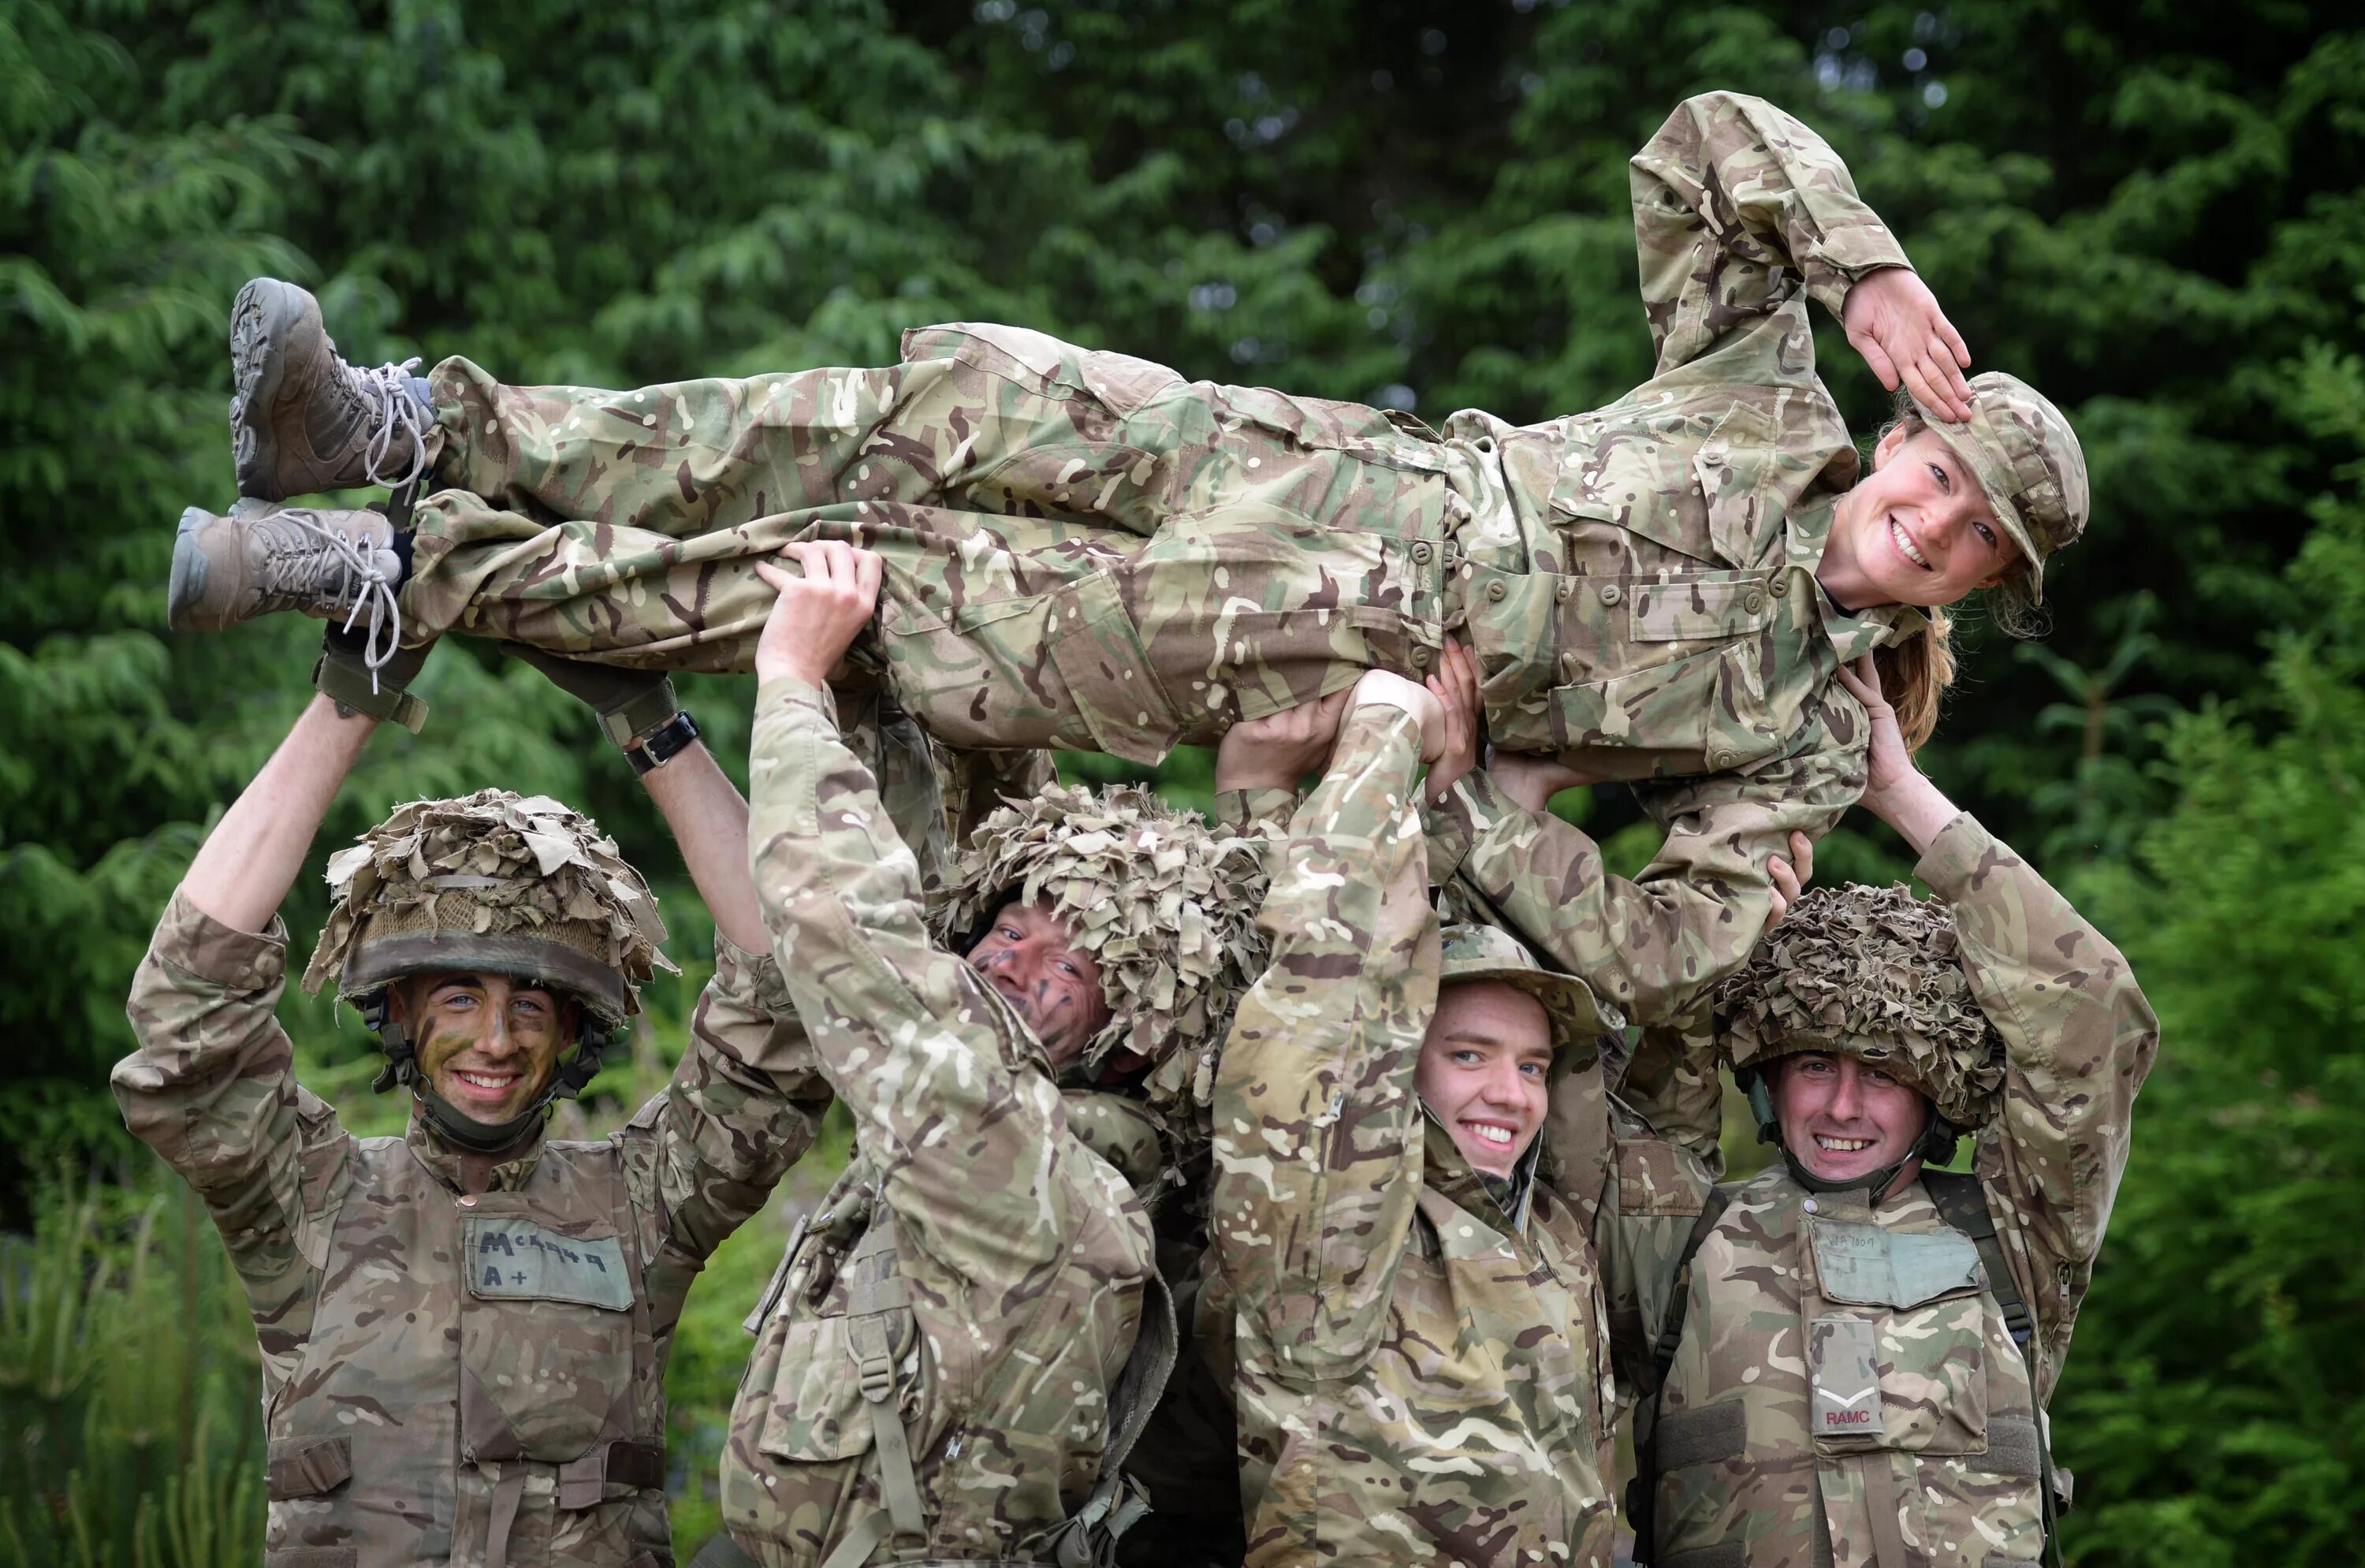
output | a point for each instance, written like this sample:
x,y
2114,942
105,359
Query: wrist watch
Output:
x,y
654,748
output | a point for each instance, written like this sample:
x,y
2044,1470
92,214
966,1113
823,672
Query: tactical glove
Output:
x,y
631,703
344,676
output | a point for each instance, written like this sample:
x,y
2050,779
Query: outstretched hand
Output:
x,y
1894,321
1276,751
818,615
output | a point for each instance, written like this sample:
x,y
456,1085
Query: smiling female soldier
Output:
x,y
1083,549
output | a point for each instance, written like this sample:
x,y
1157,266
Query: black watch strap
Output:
x,y
660,746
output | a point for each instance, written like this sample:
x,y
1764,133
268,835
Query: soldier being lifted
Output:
x,y
962,1343
463,1329
1403,1221
1864,1345
1083,549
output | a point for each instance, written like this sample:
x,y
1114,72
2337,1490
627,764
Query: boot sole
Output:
x,y
266,314
187,588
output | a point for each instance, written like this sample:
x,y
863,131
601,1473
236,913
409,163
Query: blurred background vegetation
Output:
x,y
2151,211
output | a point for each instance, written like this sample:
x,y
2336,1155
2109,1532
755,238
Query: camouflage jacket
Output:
x,y
979,1273
1418,1372
1085,549
1658,556
463,1359
1845,1390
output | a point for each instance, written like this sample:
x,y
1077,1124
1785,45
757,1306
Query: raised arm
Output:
x,y
1740,208
2078,1036
747,1100
949,1101
1317,1125
211,1087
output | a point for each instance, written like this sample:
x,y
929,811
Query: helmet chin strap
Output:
x,y
1935,1147
451,1122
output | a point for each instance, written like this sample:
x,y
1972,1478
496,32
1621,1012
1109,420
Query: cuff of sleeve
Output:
x,y
752,979
788,692
1955,857
204,948
1832,272
1245,810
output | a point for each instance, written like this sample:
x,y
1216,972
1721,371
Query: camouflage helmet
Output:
x,y
1472,951
2028,462
1872,973
1165,906
493,883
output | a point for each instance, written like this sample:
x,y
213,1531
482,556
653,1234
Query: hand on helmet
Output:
x,y
818,614
1894,321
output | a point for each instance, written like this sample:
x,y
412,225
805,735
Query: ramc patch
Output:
x,y
512,1259
1842,1354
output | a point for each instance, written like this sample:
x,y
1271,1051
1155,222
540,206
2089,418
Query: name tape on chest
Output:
x,y
1867,1265
516,1259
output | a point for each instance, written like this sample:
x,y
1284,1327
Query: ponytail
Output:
x,y
1914,676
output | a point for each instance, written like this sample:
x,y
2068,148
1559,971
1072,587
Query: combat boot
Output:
x,y
301,420
336,566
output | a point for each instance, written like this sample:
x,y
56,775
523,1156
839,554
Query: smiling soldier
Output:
x,y
465,1329
1857,1365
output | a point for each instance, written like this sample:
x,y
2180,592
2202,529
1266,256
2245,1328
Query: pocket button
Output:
x,y
1610,595
1753,602
1563,592
1421,554
1497,591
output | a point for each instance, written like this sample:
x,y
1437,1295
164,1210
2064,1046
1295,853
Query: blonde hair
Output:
x,y
1915,674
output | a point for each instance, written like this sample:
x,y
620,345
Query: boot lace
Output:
x,y
384,395
310,560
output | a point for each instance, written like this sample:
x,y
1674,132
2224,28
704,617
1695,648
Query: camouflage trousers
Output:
x,y
1081,549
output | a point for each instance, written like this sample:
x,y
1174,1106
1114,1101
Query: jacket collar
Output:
x,y
1502,1202
466,1170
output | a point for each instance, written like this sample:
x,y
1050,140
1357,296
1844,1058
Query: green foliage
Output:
x,y
2154,212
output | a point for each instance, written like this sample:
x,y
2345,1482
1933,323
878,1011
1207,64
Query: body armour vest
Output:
x,y
482,1383
1845,1394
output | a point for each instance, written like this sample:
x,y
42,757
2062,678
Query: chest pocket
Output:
x,y
1905,1365
546,1339
849,1372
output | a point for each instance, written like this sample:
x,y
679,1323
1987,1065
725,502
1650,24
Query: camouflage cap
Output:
x,y
1477,951
493,882
1873,973
1164,905
2028,462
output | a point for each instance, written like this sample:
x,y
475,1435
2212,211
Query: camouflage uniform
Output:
x,y
463,1355
1419,1354
1846,1391
939,1355
1085,550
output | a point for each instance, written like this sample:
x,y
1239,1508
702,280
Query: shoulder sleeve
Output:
x,y
1317,1124
212,1090
743,1105
948,1102
1738,206
2079,1039
1650,1205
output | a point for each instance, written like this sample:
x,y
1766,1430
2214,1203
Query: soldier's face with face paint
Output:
x,y
487,1044
1028,954
1484,1067
1844,1119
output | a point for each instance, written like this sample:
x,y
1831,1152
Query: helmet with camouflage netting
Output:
x,y
1165,906
490,883
1873,973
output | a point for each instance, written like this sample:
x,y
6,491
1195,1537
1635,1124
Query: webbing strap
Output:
x,y
508,1492
899,1487
1642,1492
1962,1202
854,1548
